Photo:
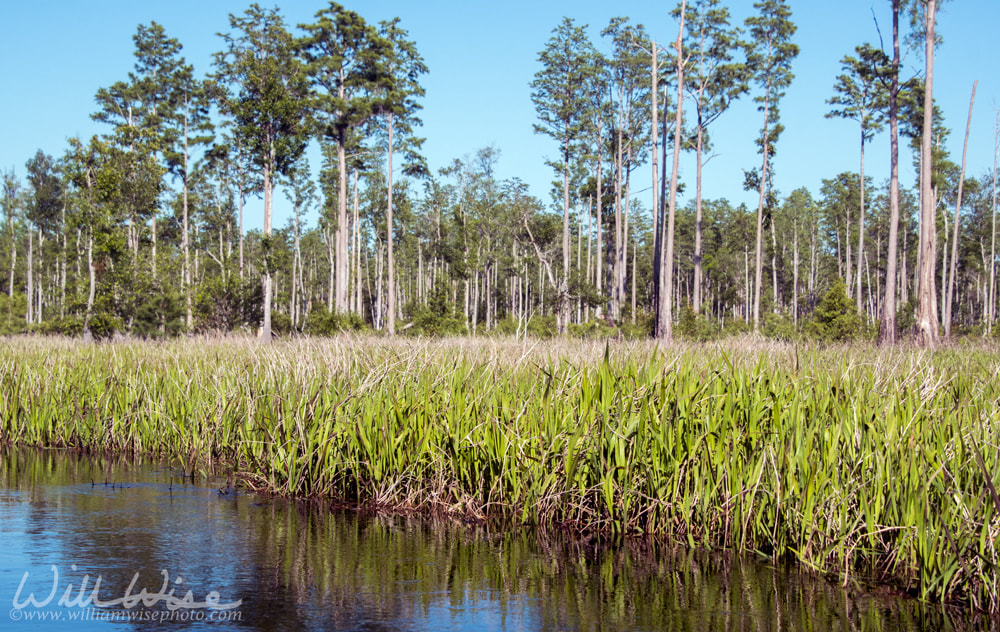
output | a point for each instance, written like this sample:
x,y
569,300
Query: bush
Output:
x,y
437,318
543,327
323,323
281,323
693,326
63,326
104,326
162,315
594,329
836,318
780,327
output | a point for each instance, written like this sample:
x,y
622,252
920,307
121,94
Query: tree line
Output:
x,y
141,229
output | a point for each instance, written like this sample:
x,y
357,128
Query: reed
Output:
x,y
860,462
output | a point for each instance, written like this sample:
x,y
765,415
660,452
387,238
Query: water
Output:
x,y
276,565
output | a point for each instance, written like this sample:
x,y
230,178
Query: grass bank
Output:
x,y
853,461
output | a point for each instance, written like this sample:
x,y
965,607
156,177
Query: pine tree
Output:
x,y
266,89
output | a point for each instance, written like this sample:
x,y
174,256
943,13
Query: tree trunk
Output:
x,y
861,218
92,288
958,213
759,253
654,122
927,317
391,264
993,231
185,241
664,317
341,303
564,287
29,292
240,194
268,201
599,264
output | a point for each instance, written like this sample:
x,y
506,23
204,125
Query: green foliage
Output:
x,y
281,323
836,317
780,327
103,326
323,323
225,305
837,462
63,326
12,314
159,315
594,329
543,327
691,326
437,318
906,317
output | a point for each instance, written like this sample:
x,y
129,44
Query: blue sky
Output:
x,y
482,55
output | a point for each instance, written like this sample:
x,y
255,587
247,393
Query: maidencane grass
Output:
x,y
852,461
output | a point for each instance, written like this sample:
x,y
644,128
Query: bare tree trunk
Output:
x,y
993,231
927,317
391,264
265,331
958,213
759,261
795,273
887,323
92,288
329,255
30,293
564,288
774,264
664,317
13,256
357,249
240,194
340,303
654,122
62,266
600,237
189,320
861,218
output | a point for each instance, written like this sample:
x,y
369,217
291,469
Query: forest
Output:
x,y
141,230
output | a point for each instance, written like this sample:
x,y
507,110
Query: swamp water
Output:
x,y
169,552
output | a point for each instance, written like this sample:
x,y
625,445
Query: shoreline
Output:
x,y
846,458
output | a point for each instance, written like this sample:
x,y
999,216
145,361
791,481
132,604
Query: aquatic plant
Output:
x,y
860,462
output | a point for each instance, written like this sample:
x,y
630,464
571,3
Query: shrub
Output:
x,y
836,318
543,327
323,323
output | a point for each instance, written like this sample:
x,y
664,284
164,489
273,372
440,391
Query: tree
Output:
x,y
11,191
301,192
629,65
558,98
664,317
858,97
927,317
401,67
770,58
266,96
43,212
714,81
887,333
341,52
957,221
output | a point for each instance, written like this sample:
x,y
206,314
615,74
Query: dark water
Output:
x,y
276,565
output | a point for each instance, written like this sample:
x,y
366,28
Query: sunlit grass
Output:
x,y
852,460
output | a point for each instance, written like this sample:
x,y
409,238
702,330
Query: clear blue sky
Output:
x,y
482,55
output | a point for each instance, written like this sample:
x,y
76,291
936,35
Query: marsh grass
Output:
x,y
851,460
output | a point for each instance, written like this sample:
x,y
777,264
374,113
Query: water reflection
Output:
x,y
296,565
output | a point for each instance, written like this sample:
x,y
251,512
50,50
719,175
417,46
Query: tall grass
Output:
x,y
853,461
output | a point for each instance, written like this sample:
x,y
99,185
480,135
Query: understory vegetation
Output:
x,y
863,463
